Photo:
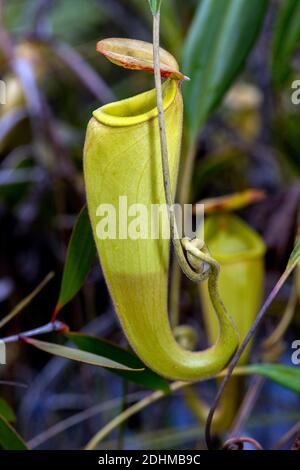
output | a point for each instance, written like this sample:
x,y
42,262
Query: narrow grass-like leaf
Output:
x,y
286,39
21,305
287,376
80,257
295,256
12,383
220,39
155,5
78,355
292,263
6,412
147,378
9,438
232,202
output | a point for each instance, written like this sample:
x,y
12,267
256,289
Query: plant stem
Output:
x,y
11,383
185,182
285,321
121,435
186,268
139,406
247,405
296,444
183,198
48,328
79,418
121,418
283,441
21,305
239,353
233,442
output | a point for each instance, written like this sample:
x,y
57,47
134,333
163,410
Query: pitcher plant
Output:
x,y
122,160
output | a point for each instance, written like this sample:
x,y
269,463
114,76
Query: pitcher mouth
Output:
x,y
250,245
137,109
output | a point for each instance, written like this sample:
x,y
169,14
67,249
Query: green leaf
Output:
x,y
9,438
6,412
80,256
220,39
287,376
78,355
286,39
295,256
292,263
24,302
155,5
147,378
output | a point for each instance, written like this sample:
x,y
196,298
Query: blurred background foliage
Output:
x,y
252,140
